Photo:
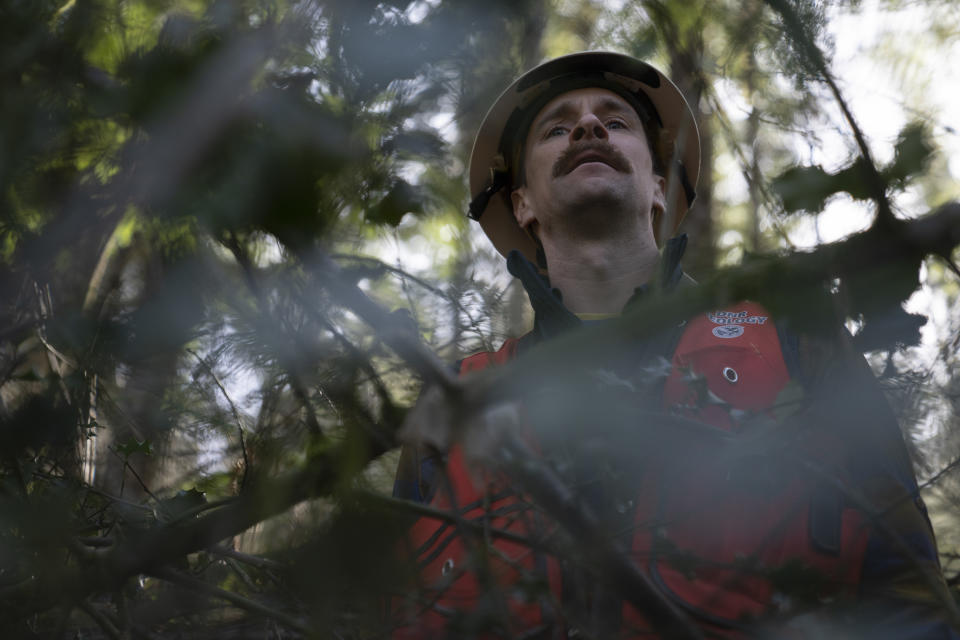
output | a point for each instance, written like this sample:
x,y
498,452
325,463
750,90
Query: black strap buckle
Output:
x,y
479,203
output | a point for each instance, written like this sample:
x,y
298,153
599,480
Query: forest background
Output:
x,y
234,249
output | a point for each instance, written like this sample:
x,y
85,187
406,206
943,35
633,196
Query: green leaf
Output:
x,y
912,153
895,327
417,143
807,188
402,198
804,188
128,448
853,180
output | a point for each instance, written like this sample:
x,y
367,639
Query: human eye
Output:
x,y
556,130
616,123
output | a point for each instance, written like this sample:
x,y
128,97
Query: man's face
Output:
x,y
586,151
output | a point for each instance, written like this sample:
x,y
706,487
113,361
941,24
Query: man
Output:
x,y
759,485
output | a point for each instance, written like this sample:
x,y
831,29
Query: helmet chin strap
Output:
x,y
479,203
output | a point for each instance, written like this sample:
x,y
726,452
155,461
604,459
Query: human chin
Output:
x,y
597,190
595,177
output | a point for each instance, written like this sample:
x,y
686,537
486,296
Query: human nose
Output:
x,y
589,126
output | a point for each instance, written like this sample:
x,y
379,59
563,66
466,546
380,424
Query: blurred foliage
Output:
x,y
192,422
807,188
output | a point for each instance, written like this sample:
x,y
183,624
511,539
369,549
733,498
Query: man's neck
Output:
x,y
600,275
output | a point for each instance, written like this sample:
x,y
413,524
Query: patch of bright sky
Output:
x,y
418,10
915,79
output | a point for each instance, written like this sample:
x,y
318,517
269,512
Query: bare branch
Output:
x,y
233,598
108,628
760,280
142,551
255,561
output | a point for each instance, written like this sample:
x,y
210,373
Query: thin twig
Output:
x,y
192,512
761,186
233,598
389,407
127,465
446,515
937,476
244,576
406,345
101,620
558,500
232,242
404,275
233,409
928,574
255,561
952,265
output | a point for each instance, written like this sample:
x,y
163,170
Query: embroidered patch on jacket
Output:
x,y
734,317
728,331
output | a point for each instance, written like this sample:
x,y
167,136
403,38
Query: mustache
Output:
x,y
603,149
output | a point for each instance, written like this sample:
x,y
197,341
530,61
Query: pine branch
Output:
x,y
105,625
775,281
296,382
557,499
797,32
233,410
148,550
404,343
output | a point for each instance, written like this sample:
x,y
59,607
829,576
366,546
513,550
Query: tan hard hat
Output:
x,y
506,123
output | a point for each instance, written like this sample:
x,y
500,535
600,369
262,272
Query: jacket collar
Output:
x,y
551,318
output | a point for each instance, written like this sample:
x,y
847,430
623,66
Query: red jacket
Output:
x,y
742,527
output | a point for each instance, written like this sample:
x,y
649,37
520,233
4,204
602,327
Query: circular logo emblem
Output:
x,y
728,331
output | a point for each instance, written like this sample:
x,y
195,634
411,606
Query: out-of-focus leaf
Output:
x,y
853,180
807,188
894,328
804,188
417,143
130,447
402,198
912,153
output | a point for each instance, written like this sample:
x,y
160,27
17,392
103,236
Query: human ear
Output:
x,y
659,204
658,208
522,210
